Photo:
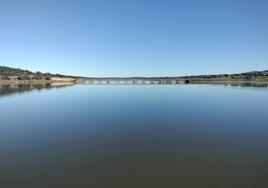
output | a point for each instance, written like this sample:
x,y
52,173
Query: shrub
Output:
x,y
5,77
24,77
48,78
37,77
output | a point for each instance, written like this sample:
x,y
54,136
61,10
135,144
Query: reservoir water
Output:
x,y
153,136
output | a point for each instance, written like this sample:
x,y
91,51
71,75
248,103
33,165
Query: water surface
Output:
x,y
83,136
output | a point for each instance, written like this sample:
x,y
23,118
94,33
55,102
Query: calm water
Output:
x,y
189,136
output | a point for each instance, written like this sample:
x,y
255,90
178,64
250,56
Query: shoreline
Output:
x,y
59,82
56,81
228,81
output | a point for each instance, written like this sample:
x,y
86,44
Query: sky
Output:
x,y
134,37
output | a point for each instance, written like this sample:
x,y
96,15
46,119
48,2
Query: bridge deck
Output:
x,y
135,81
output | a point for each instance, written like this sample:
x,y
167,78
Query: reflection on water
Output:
x,y
239,84
244,84
8,89
89,136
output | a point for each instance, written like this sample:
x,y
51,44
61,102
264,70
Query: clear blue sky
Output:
x,y
134,37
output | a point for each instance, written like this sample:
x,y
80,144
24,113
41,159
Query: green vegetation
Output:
x,y
12,74
7,73
248,76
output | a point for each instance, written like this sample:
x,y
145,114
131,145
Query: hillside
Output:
x,y
253,76
15,75
7,73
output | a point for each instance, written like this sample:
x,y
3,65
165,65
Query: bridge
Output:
x,y
135,81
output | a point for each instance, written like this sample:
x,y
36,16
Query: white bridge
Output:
x,y
135,81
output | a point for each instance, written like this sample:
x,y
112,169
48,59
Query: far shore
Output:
x,y
18,76
53,81
228,81
71,81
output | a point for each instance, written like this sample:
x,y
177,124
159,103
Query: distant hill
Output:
x,y
247,76
7,73
17,75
